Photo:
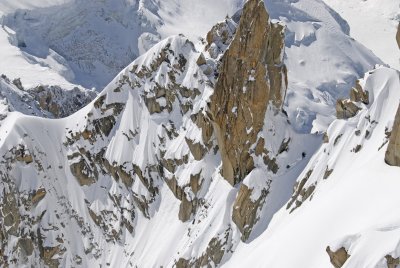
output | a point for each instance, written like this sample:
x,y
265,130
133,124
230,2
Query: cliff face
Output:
x,y
251,77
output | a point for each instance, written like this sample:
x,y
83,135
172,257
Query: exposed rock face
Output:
x,y
252,76
244,213
339,257
60,102
301,193
392,262
346,109
392,156
398,35
188,204
357,94
213,254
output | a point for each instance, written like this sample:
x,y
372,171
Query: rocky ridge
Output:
x,y
43,101
152,89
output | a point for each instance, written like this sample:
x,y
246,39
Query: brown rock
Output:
x,y
195,183
339,257
346,109
82,173
25,158
398,35
300,193
23,155
244,213
187,208
357,94
10,214
201,60
392,156
38,196
26,245
392,262
118,172
243,87
198,151
211,257
204,124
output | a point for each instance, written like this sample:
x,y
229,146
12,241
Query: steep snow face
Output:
x,y
352,198
32,69
323,61
374,24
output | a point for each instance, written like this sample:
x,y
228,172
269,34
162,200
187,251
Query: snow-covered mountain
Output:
x,y
263,144
89,42
373,23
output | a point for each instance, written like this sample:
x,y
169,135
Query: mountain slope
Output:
x,y
184,158
352,205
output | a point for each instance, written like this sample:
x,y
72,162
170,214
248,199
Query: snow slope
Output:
x,y
322,60
33,70
374,24
354,207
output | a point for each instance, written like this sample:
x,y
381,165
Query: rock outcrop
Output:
x,y
346,109
392,262
357,94
245,210
251,77
301,193
339,257
398,35
392,156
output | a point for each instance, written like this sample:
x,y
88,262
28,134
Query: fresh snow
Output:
x,y
374,24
